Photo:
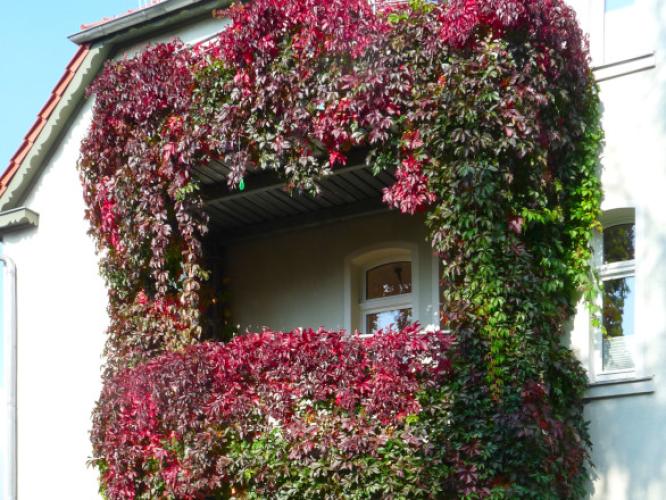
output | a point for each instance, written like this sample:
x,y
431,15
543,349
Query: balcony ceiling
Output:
x,y
265,206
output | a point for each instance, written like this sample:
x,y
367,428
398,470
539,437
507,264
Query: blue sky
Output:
x,y
34,52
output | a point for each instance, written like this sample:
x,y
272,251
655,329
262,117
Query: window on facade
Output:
x,y
626,32
619,30
618,299
386,296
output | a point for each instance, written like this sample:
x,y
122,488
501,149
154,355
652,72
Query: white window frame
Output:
x,y
400,301
606,64
613,270
356,266
425,295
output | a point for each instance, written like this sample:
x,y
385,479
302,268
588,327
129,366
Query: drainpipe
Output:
x,y
9,490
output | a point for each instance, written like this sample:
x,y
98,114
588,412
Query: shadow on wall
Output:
x,y
628,448
629,442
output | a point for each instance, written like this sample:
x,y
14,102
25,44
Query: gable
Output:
x,y
97,43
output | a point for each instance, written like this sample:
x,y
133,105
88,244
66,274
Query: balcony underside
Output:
x,y
265,206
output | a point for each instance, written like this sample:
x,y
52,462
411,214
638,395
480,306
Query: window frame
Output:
x,y
357,263
381,304
426,274
592,14
607,272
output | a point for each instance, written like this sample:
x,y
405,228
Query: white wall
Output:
x,y
61,324
627,432
630,445
190,34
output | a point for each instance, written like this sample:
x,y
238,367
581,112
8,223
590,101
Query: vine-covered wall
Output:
x,y
488,112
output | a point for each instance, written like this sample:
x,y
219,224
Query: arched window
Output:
x,y
382,288
386,296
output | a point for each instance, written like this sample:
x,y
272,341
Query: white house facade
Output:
x,y
325,260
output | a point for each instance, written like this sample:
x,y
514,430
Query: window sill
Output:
x,y
625,67
619,388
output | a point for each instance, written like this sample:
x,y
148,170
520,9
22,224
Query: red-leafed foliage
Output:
x,y
172,426
410,193
487,114
136,172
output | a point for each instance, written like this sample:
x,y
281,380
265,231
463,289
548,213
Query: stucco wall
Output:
x,y
627,432
61,323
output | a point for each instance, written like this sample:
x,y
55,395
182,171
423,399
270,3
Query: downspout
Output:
x,y
9,490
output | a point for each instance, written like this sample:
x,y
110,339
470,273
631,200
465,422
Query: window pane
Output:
x,y
619,243
618,4
399,318
618,320
394,278
627,32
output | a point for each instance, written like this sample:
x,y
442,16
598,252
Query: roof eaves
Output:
x,y
106,20
42,117
131,19
17,218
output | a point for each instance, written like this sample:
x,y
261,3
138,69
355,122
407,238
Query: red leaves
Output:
x,y
141,298
336,157
174,127
315,27
411,140
168,151
135,166
459,19
516,224
452,97
552,24
253,384
106,205
410,193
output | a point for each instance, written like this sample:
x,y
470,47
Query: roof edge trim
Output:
x,y
133,20
42,117
18,218
17,179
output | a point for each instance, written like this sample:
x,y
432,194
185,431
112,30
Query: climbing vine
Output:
x,y
487,114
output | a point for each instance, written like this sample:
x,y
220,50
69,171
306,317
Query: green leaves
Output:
x,y
486,114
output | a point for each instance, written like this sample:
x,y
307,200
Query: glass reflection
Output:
x,y
398,318
619,243
390,279
618,321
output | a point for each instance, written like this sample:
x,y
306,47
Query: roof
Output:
x,y
42,117
155,10
106,20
